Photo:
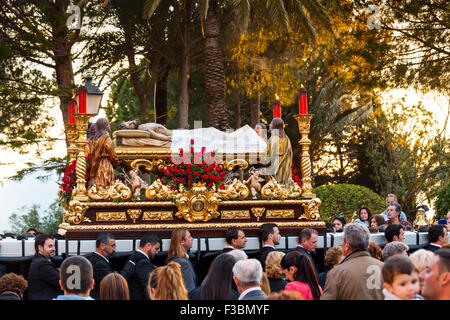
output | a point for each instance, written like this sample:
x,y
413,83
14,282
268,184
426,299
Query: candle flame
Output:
x,y
277,97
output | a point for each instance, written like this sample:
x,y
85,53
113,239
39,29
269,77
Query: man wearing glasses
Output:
x,y
105,246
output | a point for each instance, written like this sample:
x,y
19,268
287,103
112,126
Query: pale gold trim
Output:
x,y
235,214
189,225
258,212
110,216
280,213
134,214
157,215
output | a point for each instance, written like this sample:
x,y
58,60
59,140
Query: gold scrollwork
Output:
x,y
197,204
235,214
117,191
235,190
280,213
258,212
273,189
76,212
110,216
159,191
157,215
134,214
243,164
311,209
147,164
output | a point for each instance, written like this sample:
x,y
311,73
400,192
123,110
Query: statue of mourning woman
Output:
x,y
103,157
278,159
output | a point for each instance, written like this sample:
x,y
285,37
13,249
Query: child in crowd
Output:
x,y
401,280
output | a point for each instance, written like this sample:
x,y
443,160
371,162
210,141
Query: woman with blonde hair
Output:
x,y
180,243
166,283
274,272
420,259
114,287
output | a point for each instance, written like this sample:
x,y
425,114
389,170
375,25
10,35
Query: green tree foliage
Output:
x,y
442,203
46,221
345,199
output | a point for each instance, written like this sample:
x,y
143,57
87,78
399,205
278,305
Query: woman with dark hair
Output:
x,y
279,155
364,216
339,223
103,157
218,284
299,270
377,221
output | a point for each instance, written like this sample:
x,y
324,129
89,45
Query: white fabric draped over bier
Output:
x,y
243,140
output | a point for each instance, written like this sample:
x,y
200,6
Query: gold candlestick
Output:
x,y
304,126
80,193
72,135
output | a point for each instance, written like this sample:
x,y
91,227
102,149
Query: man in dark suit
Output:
x,y
307,243
235,238
43,277
247,274
437,237
138,267
270,236
105,246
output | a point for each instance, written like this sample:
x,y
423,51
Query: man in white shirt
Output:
x,y
270,236
247,275
235,239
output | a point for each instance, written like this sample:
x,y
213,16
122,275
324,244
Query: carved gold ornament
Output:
x,y
258,212
134,214
235,190
76,212
197,204
273,189
311,209
280,213
158,191
117,191
235,214
243,164
147,164
157,215
110,216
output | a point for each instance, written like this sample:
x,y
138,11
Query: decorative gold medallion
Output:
x,y
197,204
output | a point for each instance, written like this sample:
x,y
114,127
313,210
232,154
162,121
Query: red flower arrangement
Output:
x,y
69,180
191,168
295,177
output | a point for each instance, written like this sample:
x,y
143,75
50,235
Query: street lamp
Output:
x,y
89,97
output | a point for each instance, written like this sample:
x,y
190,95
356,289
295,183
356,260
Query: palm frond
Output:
x,y
278,13
149,8
242,8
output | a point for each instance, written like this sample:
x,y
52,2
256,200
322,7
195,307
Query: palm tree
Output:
x,y
287,14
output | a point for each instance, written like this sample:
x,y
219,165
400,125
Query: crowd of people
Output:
x,y
356,270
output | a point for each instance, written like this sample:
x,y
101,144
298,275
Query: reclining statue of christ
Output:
x,y
243,140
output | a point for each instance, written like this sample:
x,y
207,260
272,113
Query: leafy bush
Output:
x,y
345,199
442,204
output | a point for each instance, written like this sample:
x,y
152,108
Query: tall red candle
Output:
x,y
72,110
302,101
277,109
82,97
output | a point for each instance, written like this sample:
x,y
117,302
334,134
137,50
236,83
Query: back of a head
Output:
x,y
218,283
333,256
357,235
273,265
168,282
13,282
114,287
152,238
265,230
420,258
103,238
76,273
238,254
436,231
176,250
278,127
249,272
375,251
101,127
394,248
395,265
392,230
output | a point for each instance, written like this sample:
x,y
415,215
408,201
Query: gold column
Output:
x,y
72,135
304,126
80,193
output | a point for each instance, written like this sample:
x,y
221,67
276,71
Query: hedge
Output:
x,y
442,203
345,199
